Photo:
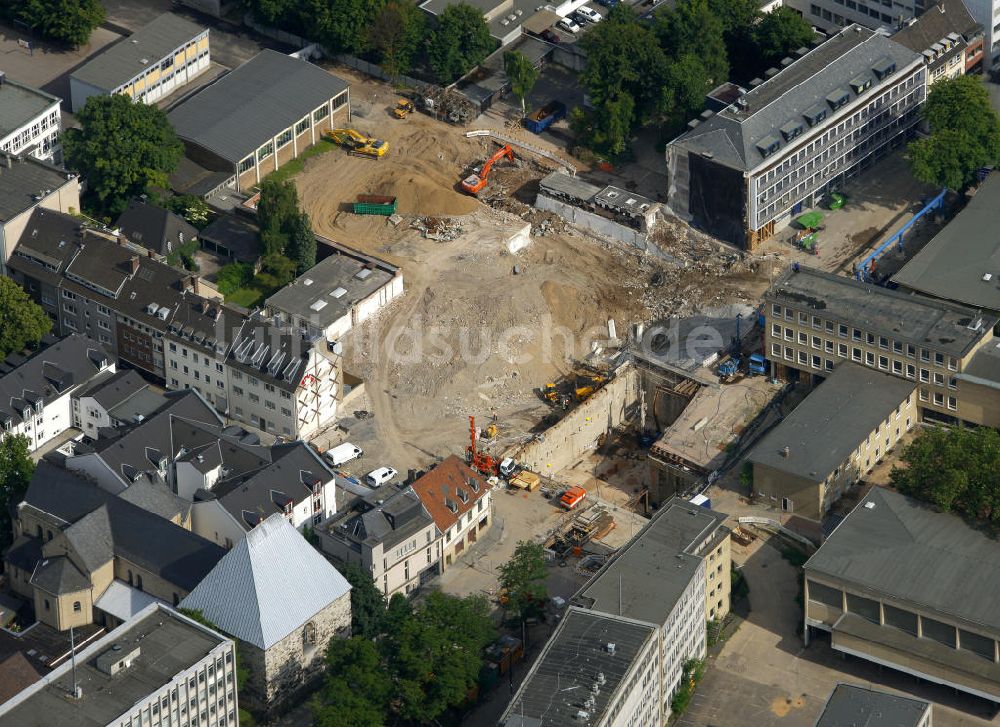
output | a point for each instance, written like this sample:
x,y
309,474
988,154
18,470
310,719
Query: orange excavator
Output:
x,y
479,461
476,182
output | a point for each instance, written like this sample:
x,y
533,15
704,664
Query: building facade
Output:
x,y
815,320
949,39
30,121
745,172
149,65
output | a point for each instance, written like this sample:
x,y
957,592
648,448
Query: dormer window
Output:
x,y
860,84
792,129
814,114
838,98
768,145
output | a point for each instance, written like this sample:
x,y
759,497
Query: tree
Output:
x,y
192,208
277,212
22,321
691,28
357,689
344,24
521,73
964,138
123,149
302,243
232,277
65,21
522,578
461,41
16,469
954,469
395,36
276,271
367,603
779,33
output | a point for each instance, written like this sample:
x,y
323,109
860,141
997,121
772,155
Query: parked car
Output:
x,y
550,35
343,453
379,477
608,3
589,14
568,25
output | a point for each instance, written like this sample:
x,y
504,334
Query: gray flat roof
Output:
x,y
896,547
916,319
855,705
143,49
20,104
241,110
571,664
168,644
22,180
823,431
562,183
644,580
328,290
962,262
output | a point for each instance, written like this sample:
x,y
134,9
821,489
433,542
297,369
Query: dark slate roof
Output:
x,y
24,553
914,319
731,136
91,538
644,579
49,242
855,706
892,546
110,391
49,373
393,520
236,234
571,663
154,227
250,105
267,352
177,555
132,55
21,104
23,179
192,178
153,495
962,262
58,575
936,23
832,422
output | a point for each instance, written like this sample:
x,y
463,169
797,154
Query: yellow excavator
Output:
x,y
357,143
404,107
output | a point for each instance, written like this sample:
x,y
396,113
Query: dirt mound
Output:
x,y
422,191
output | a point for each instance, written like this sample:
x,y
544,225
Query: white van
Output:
x,y
379,476
343,453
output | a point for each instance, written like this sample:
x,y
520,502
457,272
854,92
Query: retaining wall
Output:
x,y
601,225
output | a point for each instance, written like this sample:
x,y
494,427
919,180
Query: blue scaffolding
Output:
x,y
863,270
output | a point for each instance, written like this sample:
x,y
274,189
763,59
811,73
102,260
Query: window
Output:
x,y
869,358
870,339
923,394
804,319
776,330
776,349
883,362
247,164
789,334
265,151
938,378
856,334
897,367
938,398
829,364
842,331
952,403
816,362
855,354
776,309
939,359
817,342
911,350
789,353
842,350
911,371
883,342
925,375
302,126
320,114
285,138
803,358
77,607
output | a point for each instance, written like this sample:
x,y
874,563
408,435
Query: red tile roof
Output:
x,y
16,674
447,484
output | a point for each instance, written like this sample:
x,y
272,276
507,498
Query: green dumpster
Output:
x,y
837,200
810,220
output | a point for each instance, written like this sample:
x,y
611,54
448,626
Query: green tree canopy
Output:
x,y
276,271
22,321
302,243
965,134
16,469
343,24
521,73
367,603
395,36
461,41
954,469
122,149
357,688
779,33
522,578
233,277
692,28
64,21
277,214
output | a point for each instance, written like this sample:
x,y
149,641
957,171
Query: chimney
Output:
x,y
786,452
187,282
149,253
135,264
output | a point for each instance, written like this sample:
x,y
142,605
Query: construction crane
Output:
x,y
357,143
476,182
479,461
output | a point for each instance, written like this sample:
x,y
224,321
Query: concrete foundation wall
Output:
x,y
578,432
590,221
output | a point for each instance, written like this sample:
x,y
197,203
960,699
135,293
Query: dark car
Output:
x,y
550,35
607,3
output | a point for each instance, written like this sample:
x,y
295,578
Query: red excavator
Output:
x,y
479,461
476,182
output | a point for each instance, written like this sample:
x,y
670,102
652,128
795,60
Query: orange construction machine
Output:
x,y
476,182
479,461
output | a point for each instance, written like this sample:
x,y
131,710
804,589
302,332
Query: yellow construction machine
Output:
x,y
404,107
357,143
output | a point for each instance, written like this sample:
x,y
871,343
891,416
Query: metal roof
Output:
x,y
855,705
253,594
249,106
123,601
832,422
893,546
962,262
20,105
140,51
922,321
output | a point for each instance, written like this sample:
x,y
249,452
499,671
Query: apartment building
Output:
x,y
461,503
116,400
146,66
596,669
949,39
910,588
39,394
389,534
815,320
742,174
672,577
30,121
27,184
852,704
987,14
832,439
157,668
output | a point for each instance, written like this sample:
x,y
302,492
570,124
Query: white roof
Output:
x,y
270,584
123,601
